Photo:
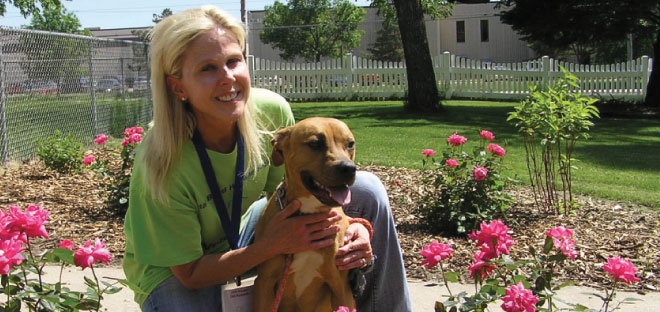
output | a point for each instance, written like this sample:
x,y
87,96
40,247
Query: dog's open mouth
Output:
x,y
336,195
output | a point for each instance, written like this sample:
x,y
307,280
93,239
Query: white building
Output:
x,y
473,31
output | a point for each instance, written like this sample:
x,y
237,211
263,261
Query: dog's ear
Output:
x,y
278,142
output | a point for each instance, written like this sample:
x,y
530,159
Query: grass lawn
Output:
x,y
619,162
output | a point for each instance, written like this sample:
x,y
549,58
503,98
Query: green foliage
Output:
x,y
61,153
581,27
312,29
28,7
56,18
388,46
550,122
457,202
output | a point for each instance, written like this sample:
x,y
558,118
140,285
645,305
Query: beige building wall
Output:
x,y
503,45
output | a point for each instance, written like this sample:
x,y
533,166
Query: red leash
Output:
x,y
282,284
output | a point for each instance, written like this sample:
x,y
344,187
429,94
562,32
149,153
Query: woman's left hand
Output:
x,y
356,251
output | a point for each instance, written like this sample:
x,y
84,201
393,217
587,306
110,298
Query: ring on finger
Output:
x,y
363,261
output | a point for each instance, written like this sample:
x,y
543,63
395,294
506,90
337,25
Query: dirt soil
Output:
x,y
602,228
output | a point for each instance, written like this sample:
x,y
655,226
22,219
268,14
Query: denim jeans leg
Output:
x,y
387,287
172,296
250,219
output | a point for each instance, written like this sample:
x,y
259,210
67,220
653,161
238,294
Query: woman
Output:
x,y
178,252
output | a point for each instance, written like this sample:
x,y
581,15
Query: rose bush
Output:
x,y
522,286
464,188
18,264
116,189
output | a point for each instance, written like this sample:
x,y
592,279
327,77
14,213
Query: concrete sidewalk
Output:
x,y
424,294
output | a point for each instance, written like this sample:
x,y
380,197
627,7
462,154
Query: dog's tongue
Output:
x,y
341,195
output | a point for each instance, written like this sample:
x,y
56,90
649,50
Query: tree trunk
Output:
x,y
422,88
653,88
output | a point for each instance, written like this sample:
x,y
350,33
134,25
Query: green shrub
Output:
x,y
61,153
460,199
550,122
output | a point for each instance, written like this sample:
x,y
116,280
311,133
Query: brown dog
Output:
x,y
318,154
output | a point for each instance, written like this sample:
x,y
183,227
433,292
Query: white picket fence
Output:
x,y
353,77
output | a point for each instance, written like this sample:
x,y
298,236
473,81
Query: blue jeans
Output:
x,y
386,289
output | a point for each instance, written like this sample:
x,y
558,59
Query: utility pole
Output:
x,y
243,19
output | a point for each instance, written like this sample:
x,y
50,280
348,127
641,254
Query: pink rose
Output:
x,y
621,269
428,152
435,252
519,299
496,150
66,244
10,255
87,254
101,139
132,130
398,182
88,160
493,238
135,138
480,267
487,135
456,140
344,309
32,222
452,163
480,173
561,239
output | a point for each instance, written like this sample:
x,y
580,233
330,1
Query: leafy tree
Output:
x,y
57,58
388,46
56,18
28,7
584,26
312,28
422,87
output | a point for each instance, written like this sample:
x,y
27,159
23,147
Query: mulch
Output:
x,y
602,228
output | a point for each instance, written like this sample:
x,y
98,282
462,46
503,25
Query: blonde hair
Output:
x,y
173,123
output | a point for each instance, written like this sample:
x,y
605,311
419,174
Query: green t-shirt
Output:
x,y
161,236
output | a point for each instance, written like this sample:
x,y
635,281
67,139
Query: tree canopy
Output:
x,y
584,26
312,29
57,19
29,7
388,45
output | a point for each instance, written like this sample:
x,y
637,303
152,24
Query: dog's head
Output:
x,y
318,154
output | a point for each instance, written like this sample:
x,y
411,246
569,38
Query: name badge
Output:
x,y
238,298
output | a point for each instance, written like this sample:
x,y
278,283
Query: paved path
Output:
x,y
424,294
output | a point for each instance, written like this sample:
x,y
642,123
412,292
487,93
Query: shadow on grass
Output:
x,y
388,115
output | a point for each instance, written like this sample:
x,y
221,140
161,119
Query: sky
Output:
x,y
134,13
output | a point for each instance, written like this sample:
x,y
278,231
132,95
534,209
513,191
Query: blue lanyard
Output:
x,y
231,228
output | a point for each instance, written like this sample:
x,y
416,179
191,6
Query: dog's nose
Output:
x,y
346,169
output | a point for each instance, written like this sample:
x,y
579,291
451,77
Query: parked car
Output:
x,y
107,85
43,87
140,83
14,88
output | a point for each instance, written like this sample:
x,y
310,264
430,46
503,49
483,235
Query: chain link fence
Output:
x,y
75,84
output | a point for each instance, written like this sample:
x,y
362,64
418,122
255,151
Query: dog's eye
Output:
x,y
316,144
351,145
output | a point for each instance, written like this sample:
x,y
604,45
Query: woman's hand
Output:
x,y
356,251
287,235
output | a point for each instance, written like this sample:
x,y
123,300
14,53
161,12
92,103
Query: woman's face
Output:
x,y
214,78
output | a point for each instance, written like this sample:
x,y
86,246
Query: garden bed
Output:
x,y
602,228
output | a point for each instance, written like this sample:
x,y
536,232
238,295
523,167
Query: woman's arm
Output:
x,y
283,235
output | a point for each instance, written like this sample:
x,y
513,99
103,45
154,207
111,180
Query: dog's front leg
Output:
x,y
265,286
